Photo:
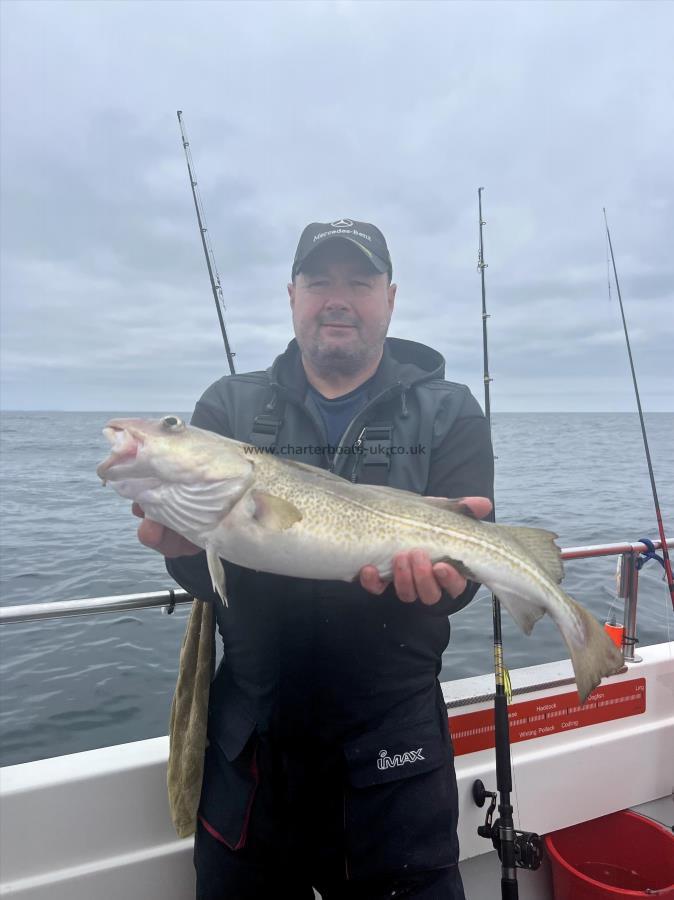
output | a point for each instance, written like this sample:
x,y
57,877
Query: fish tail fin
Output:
x,y
594,656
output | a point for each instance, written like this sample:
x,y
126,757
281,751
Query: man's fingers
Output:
x,y
150,533
414,575
403,578
426,585
137,511
449,579
371,581
478,506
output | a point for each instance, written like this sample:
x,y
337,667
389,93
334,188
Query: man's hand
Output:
x,y
415,576
161,538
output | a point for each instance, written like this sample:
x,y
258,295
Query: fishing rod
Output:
x,y
213,273
482,265
515,848
658,515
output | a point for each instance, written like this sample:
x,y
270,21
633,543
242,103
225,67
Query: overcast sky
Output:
x,y
393,113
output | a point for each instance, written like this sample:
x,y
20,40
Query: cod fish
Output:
x,y
284,517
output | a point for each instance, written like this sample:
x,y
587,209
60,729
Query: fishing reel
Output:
x,y
527,844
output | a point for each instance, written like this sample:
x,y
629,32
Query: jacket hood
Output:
x,y
404,363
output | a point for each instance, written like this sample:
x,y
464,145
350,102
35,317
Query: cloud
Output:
x,y
296,112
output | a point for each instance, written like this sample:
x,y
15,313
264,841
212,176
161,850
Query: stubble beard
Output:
x,y
327,358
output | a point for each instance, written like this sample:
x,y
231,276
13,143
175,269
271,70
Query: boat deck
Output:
x,y
101,820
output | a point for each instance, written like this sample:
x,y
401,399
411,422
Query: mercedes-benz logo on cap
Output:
x,y
342,223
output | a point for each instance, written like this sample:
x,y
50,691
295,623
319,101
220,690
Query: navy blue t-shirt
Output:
x,y
339,412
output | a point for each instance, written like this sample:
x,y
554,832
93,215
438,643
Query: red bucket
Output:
x,y
621,855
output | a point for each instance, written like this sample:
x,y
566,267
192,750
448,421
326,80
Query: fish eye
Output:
x,y
172,423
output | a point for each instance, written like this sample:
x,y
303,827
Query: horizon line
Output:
x,y
551,412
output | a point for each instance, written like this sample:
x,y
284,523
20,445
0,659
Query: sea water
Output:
x,y
81,683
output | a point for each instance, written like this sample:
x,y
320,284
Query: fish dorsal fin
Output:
x,y
540,545
274,512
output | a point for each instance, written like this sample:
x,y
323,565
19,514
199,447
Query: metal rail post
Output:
x,y
628,590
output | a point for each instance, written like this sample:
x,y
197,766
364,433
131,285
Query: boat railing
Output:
x,y
630,554
167,600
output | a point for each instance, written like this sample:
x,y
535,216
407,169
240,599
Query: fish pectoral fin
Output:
x,y
540,545
524,612
274,512
217,573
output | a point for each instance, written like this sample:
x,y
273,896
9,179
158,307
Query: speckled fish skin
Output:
x,y
287,518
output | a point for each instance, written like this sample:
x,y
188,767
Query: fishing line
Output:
x,y
611,613
668,607
656,503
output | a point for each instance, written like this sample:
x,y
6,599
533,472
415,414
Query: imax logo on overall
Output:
x,y
400,759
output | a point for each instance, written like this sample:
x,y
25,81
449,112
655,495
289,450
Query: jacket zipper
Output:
x,y
389,392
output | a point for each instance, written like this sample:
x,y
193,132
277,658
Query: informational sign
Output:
x,y
537,718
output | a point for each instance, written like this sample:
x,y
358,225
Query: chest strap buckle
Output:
x,y
265,431
376,453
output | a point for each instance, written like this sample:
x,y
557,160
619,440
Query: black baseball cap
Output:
x,y
368,238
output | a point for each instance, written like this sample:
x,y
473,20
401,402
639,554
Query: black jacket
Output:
x,y
326,657
324,688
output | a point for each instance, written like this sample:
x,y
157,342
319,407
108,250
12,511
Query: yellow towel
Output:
x,y
189,719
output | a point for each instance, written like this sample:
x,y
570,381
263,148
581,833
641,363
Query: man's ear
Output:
x,y
291,294
391,290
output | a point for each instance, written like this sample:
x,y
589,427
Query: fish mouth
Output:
x,y
125,447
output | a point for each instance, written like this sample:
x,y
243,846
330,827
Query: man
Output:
x,y
329,760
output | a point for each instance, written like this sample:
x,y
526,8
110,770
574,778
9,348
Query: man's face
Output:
x,y
341,309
